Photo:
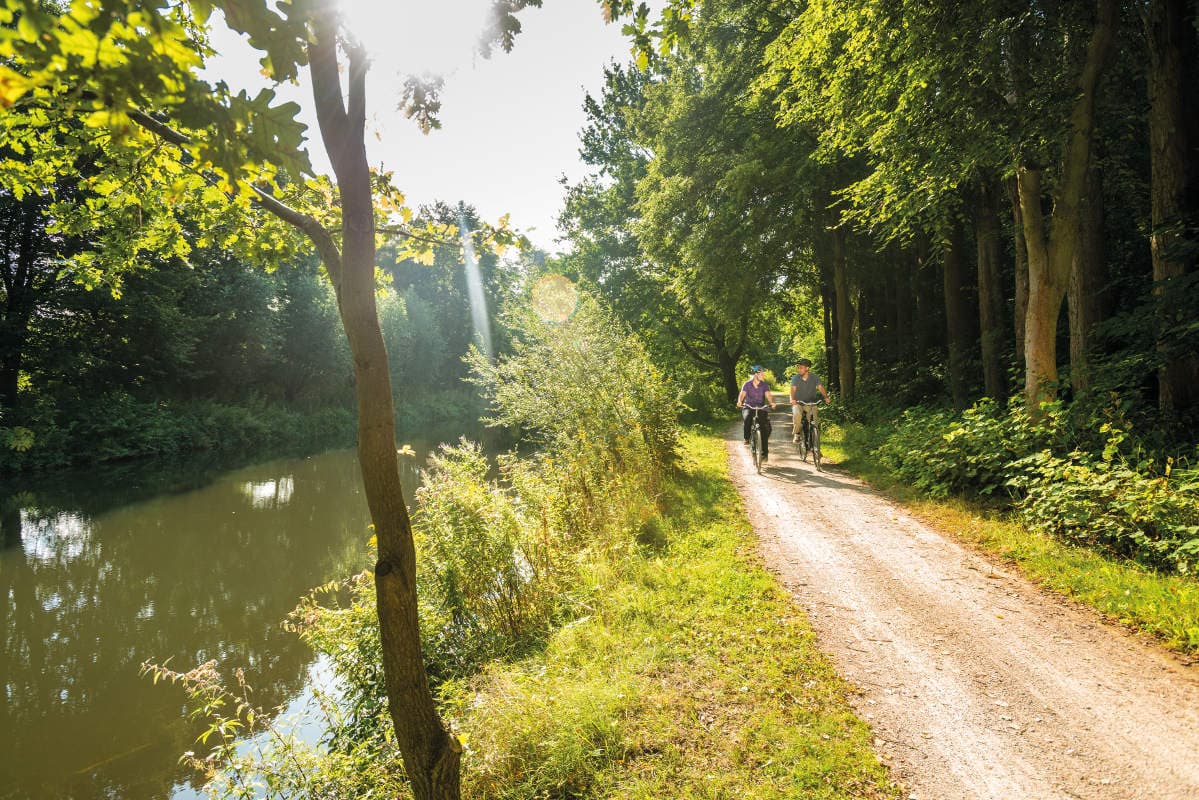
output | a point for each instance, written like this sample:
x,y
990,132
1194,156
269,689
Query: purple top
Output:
x,y
755,395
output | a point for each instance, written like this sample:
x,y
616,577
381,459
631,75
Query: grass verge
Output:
x,y
689,675
1164,606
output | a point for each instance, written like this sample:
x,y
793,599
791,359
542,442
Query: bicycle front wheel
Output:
x,y
756,446
816,446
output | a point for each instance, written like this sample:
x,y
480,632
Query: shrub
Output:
x,y
1105,503
943,453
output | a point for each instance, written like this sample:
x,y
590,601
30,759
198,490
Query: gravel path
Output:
x,y
977,683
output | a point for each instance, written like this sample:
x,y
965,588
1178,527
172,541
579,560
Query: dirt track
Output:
x,y
977,683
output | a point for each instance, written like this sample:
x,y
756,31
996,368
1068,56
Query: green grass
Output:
x,y
1164,606
689,674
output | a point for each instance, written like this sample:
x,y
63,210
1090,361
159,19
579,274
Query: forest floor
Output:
x,y
977,683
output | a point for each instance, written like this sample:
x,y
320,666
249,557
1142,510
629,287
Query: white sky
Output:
x,y
510,124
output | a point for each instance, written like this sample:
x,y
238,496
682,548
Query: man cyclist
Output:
x,y
756,393
805,388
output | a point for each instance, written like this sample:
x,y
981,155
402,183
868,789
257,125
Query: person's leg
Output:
x,y
796,422
764,421
747,423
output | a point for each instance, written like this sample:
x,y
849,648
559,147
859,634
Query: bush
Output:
x,y
1089,483
942,453
1104,503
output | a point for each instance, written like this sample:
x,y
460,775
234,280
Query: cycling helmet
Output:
x,y
756,368
803,362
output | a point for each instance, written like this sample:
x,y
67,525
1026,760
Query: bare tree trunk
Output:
x,y
956,326
431,754
903,305
1173,139
1020,312
1087,279
828,301
1050,258
845,317
990,295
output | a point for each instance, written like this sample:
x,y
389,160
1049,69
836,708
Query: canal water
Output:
x,y
98,574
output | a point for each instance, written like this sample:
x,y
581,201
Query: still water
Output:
x,y
98,575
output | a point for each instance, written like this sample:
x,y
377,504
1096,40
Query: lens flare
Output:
x,y
554,298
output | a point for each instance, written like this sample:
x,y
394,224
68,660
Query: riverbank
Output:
x,y
690,675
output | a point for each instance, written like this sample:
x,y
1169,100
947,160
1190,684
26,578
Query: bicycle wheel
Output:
x,y
755,445
816,446
803,439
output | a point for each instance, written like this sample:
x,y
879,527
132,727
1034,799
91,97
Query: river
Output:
x,y
98,574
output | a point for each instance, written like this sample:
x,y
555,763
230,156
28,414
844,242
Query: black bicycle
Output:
x,y
809,436
755,437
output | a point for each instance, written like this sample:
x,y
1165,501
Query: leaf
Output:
x,y
12,86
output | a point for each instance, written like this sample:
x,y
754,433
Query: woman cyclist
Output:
x,y
755,394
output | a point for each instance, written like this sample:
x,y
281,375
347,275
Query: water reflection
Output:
x,y
89,588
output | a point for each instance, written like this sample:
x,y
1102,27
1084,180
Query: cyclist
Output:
x,y
805,388
755,392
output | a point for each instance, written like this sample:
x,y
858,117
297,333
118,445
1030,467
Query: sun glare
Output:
x,y
417,37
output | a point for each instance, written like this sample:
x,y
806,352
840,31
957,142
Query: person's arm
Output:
x,y
820,386
770,398
793,391
740,398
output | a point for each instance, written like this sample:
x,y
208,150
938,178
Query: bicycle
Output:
x,y
809,437
755,437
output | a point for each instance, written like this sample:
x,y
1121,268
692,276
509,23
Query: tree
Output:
x,y
1173,49
128,68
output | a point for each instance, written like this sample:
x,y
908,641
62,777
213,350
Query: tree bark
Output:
x,y
431,754
990,294
1087,279
845,317
956,325
1173,139
903,305
1051,256
1020,310
823,250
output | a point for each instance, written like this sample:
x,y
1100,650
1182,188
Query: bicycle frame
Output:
x,y
755,434
809,438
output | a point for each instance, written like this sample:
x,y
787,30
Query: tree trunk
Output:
x,y
990,294
1087,279
1020,312
1173,139
903,305
828,301
728,375
431,754
956,325
845,317
1051,257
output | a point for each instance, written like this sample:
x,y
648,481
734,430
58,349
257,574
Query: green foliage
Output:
x,y
1083,479
254,753
1106,503
661,689
117,426
498,561
488,576
941,452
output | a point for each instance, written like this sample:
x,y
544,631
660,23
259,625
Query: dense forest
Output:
x,y
934,181
214,353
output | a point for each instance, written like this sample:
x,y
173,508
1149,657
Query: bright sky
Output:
x,y
510,124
